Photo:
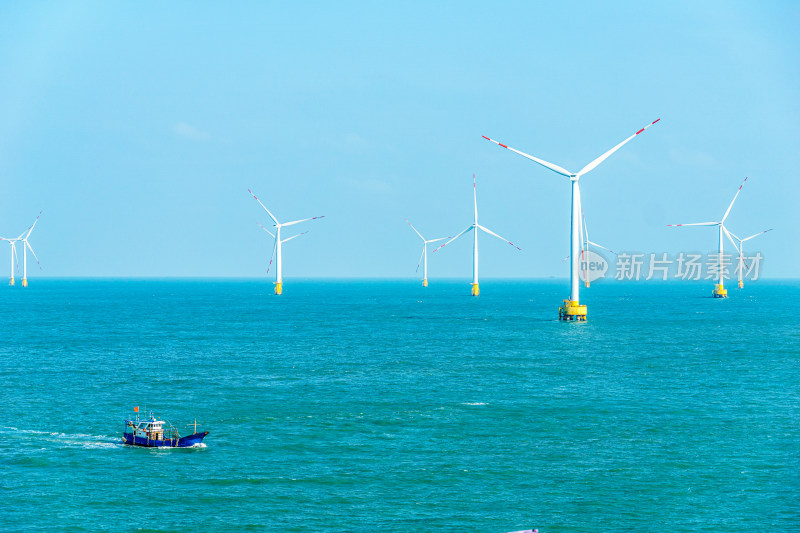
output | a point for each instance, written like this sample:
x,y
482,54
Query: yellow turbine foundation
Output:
x,y
424,282
475,289
11,281
278,287
720,291
24,282
741,284
571,310
587,282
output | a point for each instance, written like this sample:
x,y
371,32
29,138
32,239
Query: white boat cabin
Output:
x,y
146,429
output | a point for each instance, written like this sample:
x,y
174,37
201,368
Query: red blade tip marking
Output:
x,y
485,137
503,145
656,120
640,131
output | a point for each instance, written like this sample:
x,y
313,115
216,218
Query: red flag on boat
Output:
x,y
136,409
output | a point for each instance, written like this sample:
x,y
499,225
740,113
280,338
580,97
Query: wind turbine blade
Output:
x,y
265,207
274,247
294,237
304,220
591,166
34,253
475,198
756,235
585,227
420,258
730,238
551,166
436,240
415,229
734,199
268,231
454,238
603,247
15,254
694,224
29,230
490,232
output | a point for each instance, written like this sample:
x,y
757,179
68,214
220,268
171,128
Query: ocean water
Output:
x,y
376,405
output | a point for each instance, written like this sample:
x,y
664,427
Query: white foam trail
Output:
x,y
68,440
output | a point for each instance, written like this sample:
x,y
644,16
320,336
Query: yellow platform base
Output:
x,y
572,310
587,283
475,289
279,288
741,284
720,291
11,281
24,282
424,282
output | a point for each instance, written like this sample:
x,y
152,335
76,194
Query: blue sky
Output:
x,y
138,128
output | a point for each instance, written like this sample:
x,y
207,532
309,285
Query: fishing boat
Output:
x,y
153,433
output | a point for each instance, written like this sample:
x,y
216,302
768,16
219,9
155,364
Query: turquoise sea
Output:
x,y
385,406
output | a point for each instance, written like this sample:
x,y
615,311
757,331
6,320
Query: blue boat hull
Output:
x,y
183,442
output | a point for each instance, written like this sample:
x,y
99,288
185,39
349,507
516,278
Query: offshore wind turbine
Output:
x,y
586,243
475,226
719,288
276,251
25,247
572,310
740,249
14,257
423,259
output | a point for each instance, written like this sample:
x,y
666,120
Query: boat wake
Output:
x,y
34,437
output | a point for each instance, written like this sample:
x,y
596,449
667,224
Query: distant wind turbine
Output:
x,y
719,288
276,250
475,227
25,247
423,259
740,248
585,245
14,259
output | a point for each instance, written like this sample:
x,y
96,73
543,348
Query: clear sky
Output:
x,y
137,128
